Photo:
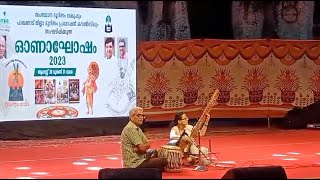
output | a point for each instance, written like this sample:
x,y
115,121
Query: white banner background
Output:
x,y
109,84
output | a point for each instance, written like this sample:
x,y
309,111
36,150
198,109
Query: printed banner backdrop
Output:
x,y
66,62
256,78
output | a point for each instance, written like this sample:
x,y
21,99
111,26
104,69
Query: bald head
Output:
x,y
2,47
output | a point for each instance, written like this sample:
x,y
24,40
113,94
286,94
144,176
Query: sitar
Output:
x,y
202,119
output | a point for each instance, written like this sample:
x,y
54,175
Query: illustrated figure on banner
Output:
x,y
90,86
15,83
11,73
122,95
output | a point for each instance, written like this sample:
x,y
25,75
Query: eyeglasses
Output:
x,y
140,115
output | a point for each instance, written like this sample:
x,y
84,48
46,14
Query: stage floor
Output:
x,y
296,150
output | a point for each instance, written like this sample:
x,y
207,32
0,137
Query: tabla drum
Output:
x,y
173,155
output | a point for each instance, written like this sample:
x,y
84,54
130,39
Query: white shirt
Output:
x,y
175,133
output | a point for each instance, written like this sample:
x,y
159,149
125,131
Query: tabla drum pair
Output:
x,y
173,155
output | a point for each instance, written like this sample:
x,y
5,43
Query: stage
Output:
x,y
79,158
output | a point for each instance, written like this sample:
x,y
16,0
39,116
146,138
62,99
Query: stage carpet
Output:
x,y
296,150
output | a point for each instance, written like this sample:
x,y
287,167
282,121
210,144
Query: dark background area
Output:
x,y
210,19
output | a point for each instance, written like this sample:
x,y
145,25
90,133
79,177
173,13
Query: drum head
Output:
x,y
170,147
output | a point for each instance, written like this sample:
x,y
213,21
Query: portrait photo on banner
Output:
x,y
109,47
3,47
122,48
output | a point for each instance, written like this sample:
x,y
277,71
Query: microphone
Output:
x,y
183,134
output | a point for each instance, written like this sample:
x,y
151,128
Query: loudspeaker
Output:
x,y
130,173
311,113
272,172
298,118
294,119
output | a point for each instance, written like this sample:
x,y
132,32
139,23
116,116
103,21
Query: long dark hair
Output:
x,y
177,117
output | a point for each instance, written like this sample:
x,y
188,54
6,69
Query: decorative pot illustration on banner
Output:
x,y
190,84
157,86
288,83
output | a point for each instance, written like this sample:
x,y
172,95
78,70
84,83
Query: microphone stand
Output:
x,y
200,167
184,133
